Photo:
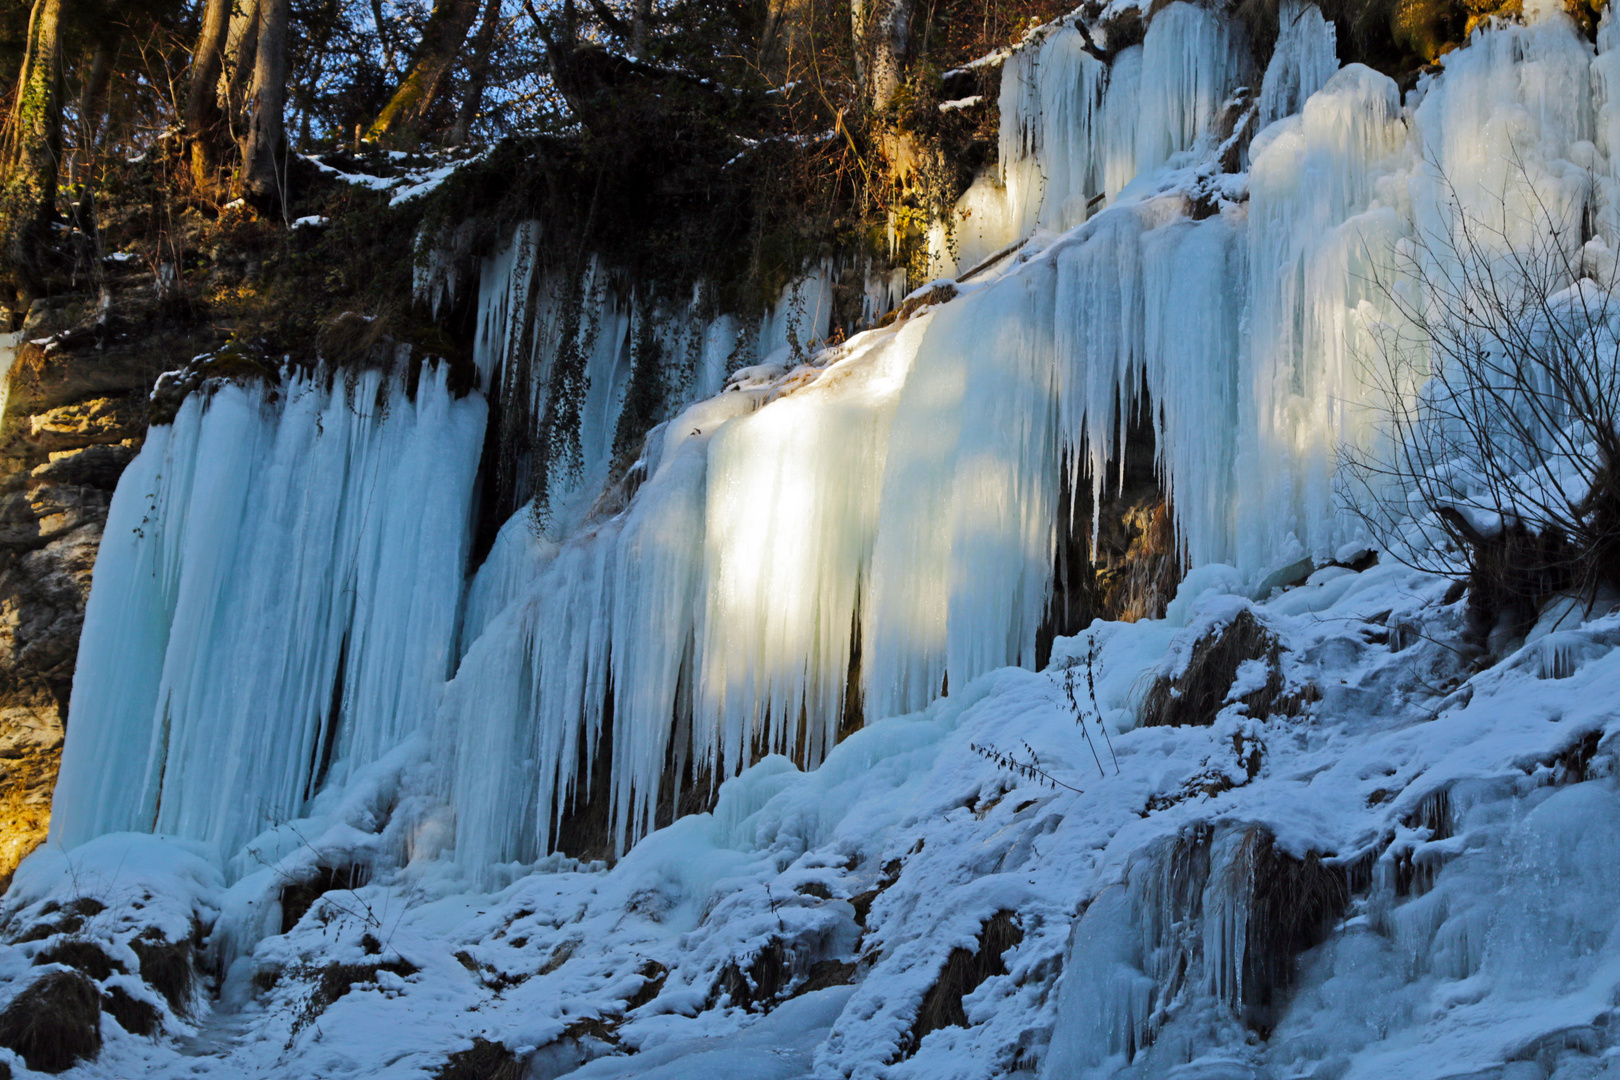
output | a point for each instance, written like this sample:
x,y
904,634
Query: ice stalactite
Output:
x,y
1303,59
912,490
963,547
1052,107
1076,130
1319,243
559,346
791,514
1192,58
1606,122
1505,139
276,601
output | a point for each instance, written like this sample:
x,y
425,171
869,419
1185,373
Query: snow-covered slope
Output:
x,y
1471,824
1350,853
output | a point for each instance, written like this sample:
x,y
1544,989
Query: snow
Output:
x,y
1409,984
895,498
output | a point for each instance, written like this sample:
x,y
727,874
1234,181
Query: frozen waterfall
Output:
x,y
276,592
281,591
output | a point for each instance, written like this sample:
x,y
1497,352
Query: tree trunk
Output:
x,y
640,27
477,74
236,72
880,29
260,179
203,117
95,87
33,148
403,117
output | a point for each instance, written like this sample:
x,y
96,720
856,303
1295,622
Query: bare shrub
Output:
x,y
1497,403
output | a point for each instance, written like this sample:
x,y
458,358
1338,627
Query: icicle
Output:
x,y
1193,295
791,512
1304,59
275,599
1312,264
963,549
1192,59
1498,134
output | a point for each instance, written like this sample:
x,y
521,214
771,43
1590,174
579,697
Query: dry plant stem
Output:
x,y
1497,388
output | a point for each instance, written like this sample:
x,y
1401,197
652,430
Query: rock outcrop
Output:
x,y
73,420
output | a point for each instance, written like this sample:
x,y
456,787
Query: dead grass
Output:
x,y
55,1023
484,1061
335,980
133,1015
758,984
297,897
963,972
654,975
166,966
1199,692
83,955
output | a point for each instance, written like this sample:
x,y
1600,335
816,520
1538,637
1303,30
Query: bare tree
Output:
x,y
30,156
203,117
478,65
260,181
1497,396
429,74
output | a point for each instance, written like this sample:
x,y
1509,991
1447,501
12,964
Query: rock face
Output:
x,y
73,421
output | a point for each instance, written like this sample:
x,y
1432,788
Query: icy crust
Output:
x,y
1499,946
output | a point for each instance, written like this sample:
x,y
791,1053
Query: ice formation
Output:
x,y
898,501
276,595
845,535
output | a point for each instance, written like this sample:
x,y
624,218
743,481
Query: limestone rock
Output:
x,y
99,420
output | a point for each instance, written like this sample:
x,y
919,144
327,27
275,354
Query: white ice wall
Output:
x,y
268,555
912,489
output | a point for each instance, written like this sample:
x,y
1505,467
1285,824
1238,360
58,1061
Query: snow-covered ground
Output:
x,y
1496,956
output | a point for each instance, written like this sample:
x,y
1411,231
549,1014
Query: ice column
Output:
x,y
275,599
1316,253
1304,59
